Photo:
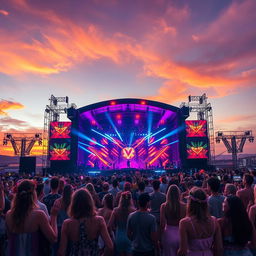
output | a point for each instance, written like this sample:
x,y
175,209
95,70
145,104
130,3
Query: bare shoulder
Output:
x,y
163,206
185,221
220,221
38,213
253,208
98,219
183,205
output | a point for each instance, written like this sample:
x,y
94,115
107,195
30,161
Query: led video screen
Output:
x,y
59,150
128,136
60,130
197,149
196,128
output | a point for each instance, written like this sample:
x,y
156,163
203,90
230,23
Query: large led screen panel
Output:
x,y
197,149
59,150
196,128
60,130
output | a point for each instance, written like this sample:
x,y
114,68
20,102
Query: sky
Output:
x,y
94,50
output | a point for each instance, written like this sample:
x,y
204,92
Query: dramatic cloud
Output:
x,y
6,105
3,12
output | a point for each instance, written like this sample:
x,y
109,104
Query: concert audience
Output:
x,y
215,200
200,213
171,212
199,231
53,195
236,228
142,229
246,193
118,223
26,224
157,198
80,233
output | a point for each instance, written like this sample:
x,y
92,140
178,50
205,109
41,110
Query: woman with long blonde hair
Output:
x,y
171,212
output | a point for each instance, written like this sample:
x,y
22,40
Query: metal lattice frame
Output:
x,y
199,105
234,141
22,143
52,113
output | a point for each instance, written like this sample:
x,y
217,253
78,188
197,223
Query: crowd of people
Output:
x,y
135,214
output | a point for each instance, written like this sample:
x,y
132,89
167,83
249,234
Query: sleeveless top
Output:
x,y
201,244
28,244
23,244
84,247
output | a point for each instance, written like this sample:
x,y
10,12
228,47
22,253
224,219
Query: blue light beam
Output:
x,y
175,131
113,125
152,135
83,136
104,135
150,120
83,148
131,138
172,143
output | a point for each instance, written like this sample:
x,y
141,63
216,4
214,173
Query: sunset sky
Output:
x,y
97,50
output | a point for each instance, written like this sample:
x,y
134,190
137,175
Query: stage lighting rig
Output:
x,y
234,141
58,107
199,105
22,143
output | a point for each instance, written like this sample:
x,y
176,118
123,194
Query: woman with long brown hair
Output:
x,y
107,209
171,212
81,231
25,223
199,232
118,223
95,197
62,204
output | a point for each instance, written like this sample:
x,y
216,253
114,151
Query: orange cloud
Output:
x,y
7,105
64,44
3,12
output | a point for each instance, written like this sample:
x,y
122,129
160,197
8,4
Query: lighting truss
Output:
x,y
234,141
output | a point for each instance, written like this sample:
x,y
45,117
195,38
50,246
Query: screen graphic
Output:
x,y
128,136
60,151
60,130
197,150
196,128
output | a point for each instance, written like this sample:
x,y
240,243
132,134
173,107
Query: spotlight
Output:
x,y
251,139
247,133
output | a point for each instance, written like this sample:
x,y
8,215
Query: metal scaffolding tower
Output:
x,y
199,105
22,143
57,107
234,142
